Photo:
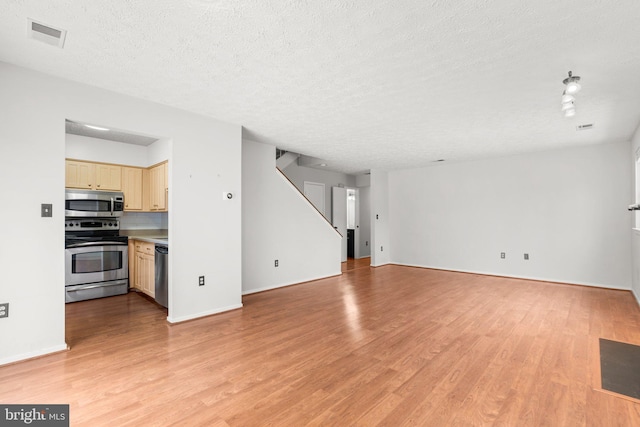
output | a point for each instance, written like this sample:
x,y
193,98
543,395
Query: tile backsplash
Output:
x,y
144,220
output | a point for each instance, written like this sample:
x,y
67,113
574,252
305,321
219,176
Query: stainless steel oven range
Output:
x,y
96,258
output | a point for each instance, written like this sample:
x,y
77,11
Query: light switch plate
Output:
x,y
46,210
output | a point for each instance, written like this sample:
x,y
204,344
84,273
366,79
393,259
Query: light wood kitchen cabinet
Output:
x,y
132,188
145,189
144,267
108,177
158,188
80,174
93,176
132,265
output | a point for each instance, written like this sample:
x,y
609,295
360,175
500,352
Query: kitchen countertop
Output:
x,y
159,237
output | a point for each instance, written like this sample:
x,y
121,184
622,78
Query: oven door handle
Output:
x,y
84,288
89,244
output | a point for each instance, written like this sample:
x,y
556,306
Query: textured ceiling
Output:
x,y
383,84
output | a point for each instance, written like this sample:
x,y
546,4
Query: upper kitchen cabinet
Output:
x,y
108,177
158,187
132,188
93,176
80,174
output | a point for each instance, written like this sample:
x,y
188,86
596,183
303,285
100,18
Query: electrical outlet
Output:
x,y
526,256
276,263
377,216
503,255
366,243
201,281
381,249
4,309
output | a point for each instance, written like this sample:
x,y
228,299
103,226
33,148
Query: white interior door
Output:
x,y
339,215
314,191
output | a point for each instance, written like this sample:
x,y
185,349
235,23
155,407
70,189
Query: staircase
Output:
x,y
285,158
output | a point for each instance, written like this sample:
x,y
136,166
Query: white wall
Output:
x,y
299,174
635,234
279,223
380,219
364,194
203,229
157,152
100,150
565,208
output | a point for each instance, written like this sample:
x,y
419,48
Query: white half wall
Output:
x,y
278,223
380,219
204,229
567,209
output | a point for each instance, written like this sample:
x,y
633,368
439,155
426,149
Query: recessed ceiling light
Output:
x,y
323,164
96,127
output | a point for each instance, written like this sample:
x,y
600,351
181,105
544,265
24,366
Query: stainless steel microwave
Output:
x,y
92,203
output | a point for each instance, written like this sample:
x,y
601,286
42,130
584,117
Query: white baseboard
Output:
x,y
390,263
539,279
202,314
636,295
282,285
32,354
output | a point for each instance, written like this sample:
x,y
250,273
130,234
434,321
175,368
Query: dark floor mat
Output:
x,y
620,367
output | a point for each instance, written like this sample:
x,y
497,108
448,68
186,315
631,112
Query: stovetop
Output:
x,y
83,230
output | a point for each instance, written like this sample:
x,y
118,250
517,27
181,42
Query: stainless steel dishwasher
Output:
x,y
162,276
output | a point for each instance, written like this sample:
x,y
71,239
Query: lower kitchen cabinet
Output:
x,y
146,271
143,271
132,264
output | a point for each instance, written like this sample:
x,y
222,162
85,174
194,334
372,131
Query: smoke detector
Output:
x,y
46,33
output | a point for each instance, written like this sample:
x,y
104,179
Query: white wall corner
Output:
x,y
380,239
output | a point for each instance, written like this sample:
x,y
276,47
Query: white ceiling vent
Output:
x,y
46,33
584,127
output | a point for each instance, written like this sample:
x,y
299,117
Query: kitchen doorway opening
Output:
x,y
129,165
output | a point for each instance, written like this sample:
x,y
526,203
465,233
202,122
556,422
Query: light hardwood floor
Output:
x,y
353,263
376,346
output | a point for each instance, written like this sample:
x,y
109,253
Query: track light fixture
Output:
x,y
568,99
